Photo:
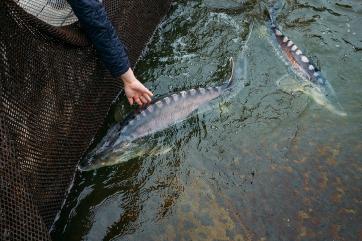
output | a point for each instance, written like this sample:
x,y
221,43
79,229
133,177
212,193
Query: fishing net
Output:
x,y
54,94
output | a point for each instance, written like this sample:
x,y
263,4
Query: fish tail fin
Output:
x,y
230,81
269,11
238,72
271,17
239,67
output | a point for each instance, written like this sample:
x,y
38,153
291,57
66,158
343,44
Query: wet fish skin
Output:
x,y
301,63
167,111
170,110
157,116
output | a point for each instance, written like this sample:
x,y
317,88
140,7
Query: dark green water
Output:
x,y
264,165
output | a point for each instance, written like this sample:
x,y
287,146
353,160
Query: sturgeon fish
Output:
x,y
118,144
312,82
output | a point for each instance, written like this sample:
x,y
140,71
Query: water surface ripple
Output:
x,y
264,165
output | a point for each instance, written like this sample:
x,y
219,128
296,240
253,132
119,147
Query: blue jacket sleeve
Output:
x,y
93,18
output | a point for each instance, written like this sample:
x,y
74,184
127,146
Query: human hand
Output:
x,y
135,90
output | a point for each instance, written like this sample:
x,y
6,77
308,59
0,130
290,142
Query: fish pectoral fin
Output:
x,y
289,84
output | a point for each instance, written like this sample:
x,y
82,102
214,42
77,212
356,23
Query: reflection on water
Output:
x,y
264,165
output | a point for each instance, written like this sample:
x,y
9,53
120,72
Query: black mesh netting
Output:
x,y
54,95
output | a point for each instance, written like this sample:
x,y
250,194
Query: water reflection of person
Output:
x,y
93,18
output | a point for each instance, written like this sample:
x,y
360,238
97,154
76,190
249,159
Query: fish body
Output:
x,y
312,82
167,111
301,64
157,116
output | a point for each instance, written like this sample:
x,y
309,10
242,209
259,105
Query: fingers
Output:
x,y
148,92
138,94
144,100
130,100
148,98
141,100
138,101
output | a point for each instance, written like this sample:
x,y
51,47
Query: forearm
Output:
x,y
99,29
